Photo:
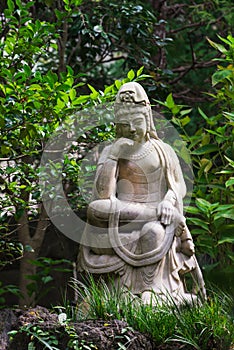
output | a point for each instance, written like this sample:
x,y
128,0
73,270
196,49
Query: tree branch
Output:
x,y
192,25
183,70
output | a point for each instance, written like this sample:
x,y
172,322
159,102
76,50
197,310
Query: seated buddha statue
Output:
x,y
136,230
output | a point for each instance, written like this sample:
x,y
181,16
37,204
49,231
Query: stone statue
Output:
x,y
136,230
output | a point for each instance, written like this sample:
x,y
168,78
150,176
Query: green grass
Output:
x,y
209,325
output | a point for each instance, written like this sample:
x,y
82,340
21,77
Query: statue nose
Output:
x,y
132,128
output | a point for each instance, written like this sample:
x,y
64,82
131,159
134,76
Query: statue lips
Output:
x,y
133,137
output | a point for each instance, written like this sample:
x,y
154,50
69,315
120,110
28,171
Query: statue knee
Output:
x,y
98,211
153,228
152,235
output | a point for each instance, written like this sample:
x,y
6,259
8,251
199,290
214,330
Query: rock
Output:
x,y
100,334
7,318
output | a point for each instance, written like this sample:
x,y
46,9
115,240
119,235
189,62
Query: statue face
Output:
x,y
133,127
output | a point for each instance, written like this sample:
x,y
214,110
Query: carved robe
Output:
x,y
161,269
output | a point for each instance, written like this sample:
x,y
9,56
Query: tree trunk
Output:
x,y
32,247
25,267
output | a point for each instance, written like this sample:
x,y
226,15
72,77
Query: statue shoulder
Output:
x,y
104,154
167,150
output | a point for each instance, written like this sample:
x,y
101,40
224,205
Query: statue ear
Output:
x,y
118,130
147,136
148,123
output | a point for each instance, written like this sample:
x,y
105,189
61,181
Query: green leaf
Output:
x,y
226,240
81,99
143,76
202,204
221,75
205,139
10,5
94,91
206,149
192,210
224,207
229,41
13,332
27,70
170,101
60,103
36,87
185,120
229,116
59,14
185,111
118,84
199,222
226,214
31,346
230,161
5,150
228,171
219,47
108,89
229,182
198,231
22,186
175,109
140,71
202,114
206,165
64,96
226,231
131,75
72,94
47,279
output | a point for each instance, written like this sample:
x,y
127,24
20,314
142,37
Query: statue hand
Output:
x,y
120,147
166,212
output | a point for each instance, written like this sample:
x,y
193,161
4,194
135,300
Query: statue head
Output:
x,y
132,99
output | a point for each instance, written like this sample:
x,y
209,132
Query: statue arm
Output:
x,y
106,179
170,196
107,172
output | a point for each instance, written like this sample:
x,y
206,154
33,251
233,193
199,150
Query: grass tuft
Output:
x,y
209,325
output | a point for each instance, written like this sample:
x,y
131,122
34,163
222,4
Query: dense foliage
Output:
x,y
102,40
212,151
34,101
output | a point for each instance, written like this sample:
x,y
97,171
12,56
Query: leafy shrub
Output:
x,y
211,212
